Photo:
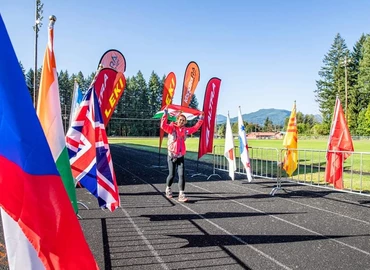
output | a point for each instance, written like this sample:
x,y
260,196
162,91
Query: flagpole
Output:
x,y
35,70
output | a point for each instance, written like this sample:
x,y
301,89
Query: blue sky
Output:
x,y
267,53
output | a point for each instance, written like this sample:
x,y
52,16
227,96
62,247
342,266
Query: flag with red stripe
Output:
x,y
89,153
290,142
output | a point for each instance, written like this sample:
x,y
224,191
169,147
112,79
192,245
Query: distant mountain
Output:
x,y
220,119
277,117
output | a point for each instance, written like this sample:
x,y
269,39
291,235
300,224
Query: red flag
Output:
x,y
209,109
339,140
167,96
110,85
191,79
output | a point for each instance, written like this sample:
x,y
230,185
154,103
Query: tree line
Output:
x,y
134,111
344,73
139,102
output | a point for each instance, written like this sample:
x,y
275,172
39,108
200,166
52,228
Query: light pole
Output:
x,y
37,21
38,18
346,62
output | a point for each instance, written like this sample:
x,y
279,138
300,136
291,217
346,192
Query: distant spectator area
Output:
x,y
266,135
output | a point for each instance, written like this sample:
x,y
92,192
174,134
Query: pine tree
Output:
x,y
332,76
363,80
363,128
65,93
81,82
29,81
155,101
356,100
23,70
194,102
143,111
267,126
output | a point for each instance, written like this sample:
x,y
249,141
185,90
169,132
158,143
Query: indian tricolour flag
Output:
x,y
50,116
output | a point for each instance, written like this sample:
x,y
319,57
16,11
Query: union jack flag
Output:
x,y
89,153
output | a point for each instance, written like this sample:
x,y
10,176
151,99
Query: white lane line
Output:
x,y
307,205
140,233
209,221
237,238
146,241
283,220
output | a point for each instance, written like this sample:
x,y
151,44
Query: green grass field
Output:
x,y
151,144
312,160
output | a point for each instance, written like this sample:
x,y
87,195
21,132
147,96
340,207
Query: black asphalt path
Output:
x,y
226,224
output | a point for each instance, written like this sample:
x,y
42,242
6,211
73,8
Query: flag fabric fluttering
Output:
x,y
113,59
290,162
175,110
244,151
210,108
76,100
50,116
109,87
89,153
41,229
340,146
191,80
229,149
169,87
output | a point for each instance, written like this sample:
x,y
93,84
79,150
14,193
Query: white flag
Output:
x,y
244,155
229,149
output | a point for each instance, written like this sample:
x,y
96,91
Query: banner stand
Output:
x,y
278,182
213,174
84,205
159,162
202,174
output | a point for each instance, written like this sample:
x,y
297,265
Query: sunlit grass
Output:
x,y
311,155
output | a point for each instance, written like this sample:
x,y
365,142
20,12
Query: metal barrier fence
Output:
x,y
267,163
263,161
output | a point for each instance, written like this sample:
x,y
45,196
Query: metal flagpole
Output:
x,y
37,21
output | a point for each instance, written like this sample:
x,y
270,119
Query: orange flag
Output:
x,y
191,79
339,140
167,96
291,143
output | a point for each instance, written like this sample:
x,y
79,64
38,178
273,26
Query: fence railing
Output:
x,y
267,163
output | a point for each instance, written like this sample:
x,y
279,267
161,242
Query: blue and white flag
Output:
x,y
244,155
76,101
